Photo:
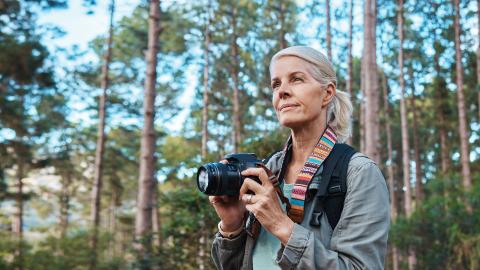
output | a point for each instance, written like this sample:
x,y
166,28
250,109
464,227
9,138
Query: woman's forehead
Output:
x,y
285,65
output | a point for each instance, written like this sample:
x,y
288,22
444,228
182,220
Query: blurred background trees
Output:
x,y
410,66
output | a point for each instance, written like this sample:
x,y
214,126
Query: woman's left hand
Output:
x,y
265,204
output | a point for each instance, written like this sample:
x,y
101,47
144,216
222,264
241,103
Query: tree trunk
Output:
x,y
97,180
64,205
17,226
281,14
146,180
478,58
329,35
350,60
440,96
234,73
205,87
390,179
372,130
462,117
404,127
156,224
419,193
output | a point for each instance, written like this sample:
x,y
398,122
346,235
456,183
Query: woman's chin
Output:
x,y
291,123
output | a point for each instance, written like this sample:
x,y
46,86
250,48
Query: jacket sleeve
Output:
x,y
360,239
227,254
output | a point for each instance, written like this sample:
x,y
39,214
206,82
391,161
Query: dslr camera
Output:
x,y
226,179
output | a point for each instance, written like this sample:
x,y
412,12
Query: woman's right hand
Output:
x,y
230,210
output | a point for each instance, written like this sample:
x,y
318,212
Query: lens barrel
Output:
x,y
219,179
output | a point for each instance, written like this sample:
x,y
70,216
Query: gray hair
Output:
x,y
339,111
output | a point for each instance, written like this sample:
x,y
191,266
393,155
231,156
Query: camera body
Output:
x,y
226,179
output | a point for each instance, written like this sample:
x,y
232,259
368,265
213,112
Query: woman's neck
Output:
x,y
304,140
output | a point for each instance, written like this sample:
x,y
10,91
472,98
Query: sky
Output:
x,y
80,28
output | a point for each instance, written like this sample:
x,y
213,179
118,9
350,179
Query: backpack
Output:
x,y
333,185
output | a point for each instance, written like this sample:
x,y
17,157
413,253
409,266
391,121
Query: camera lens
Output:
x,y
208,178
219,179
202,179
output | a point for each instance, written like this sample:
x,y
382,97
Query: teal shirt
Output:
x,y
267,245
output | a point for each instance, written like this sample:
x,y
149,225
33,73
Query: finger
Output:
x,y
251,208
250,185
215,199
249,199
258,172
229,199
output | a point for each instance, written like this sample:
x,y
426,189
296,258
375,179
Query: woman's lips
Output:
x,y
285,107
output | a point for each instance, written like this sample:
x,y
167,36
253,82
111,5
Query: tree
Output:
x,y
329,35
370,81
97,186
462,117
404,123
31,106
205,84
390,174
419,193
234,69
143,222
350,57
478,58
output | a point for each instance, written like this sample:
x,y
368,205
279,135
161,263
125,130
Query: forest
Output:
x,y
99,147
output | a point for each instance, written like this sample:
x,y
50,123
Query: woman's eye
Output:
x,y
275,85
297,79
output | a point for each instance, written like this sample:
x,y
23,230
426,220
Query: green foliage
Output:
x,y
187,216
53,253
441,230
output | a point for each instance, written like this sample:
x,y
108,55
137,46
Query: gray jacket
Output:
x,y
359,241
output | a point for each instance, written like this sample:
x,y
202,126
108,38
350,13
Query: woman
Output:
x,y
306,100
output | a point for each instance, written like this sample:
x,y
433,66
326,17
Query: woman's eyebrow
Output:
x,y
297,73
289,75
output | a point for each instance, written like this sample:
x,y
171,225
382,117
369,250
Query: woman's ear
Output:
x,y
330,92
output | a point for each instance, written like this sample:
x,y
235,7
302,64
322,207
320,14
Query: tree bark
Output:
x,y
462,117
404,127
97,180
440,96
329,35
390,179
234,73
372,130
478,58
403,117
205,86
419,191
156,222
146,180
281,13
350,60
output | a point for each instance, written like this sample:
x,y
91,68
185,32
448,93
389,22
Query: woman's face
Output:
x,y
298,98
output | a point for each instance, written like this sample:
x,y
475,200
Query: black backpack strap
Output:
x,y
333,185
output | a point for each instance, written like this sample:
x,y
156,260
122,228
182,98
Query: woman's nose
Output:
x,y
283,91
